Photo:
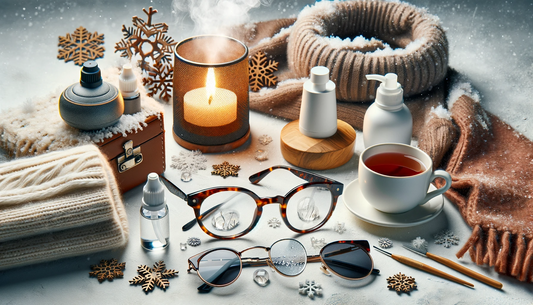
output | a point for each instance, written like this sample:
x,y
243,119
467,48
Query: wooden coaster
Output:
x,y
317,154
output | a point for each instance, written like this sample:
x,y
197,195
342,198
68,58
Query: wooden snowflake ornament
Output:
x,y
225,169
107,269
260,72
401,283
155,48
149,278
81,46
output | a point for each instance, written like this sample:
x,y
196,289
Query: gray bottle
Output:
x,y
92,103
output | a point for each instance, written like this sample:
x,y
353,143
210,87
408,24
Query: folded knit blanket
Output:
x,y
489,162
57,205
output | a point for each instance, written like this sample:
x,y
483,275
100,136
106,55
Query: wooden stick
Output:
x,y
465,270
419,265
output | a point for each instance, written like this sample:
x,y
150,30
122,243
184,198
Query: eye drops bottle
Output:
x,y
127,82
154,215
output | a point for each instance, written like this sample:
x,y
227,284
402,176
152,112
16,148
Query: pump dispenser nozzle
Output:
x,y
390,93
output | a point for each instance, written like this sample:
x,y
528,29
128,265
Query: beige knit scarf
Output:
x,y
490,163
60,204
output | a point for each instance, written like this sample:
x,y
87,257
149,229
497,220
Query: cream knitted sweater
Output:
x,y
60,204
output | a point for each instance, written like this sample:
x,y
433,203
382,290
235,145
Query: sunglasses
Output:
x,y
231,212
221,267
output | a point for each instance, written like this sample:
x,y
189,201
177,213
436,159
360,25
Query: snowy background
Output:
x,y
490,42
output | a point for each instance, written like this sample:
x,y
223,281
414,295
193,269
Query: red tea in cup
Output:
x,y
395,164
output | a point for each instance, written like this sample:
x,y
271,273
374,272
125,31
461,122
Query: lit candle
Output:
x,y
210,106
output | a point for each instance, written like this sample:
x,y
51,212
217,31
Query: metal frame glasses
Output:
x,y
300,201
220,267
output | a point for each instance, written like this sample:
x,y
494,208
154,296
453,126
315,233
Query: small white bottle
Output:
x,y
127,83
154,215
387,120
318,112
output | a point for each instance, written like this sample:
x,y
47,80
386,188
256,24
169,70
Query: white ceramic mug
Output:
x,y
392,194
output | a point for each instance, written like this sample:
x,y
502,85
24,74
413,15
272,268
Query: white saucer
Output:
x,y
357,204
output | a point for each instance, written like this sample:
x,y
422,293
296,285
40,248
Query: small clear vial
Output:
x,y
155,229
150,222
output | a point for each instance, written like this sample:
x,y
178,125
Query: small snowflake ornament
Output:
x,y
384,243
446,238
151,277
420,243
264,139
193,241
260,72
274,223
310,288
189,162
225,169
81,46
339,227
401,283
107,269
318,243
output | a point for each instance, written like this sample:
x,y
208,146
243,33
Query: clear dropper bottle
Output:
x,y
155,229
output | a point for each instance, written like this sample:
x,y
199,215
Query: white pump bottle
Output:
x,y
387,120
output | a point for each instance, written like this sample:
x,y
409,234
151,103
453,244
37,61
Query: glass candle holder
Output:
x,y
210,100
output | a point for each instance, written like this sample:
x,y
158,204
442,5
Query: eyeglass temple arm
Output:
x,y
255,178
173,188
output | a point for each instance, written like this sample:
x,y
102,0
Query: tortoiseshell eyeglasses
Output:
x,y
231,212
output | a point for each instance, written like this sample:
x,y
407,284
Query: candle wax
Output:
x,y
199,111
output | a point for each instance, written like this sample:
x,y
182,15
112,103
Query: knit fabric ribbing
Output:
x,y
356,38
60,204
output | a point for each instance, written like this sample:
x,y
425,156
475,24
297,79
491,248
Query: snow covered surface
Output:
x,y
490,42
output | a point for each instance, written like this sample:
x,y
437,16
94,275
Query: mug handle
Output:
x,y
441,174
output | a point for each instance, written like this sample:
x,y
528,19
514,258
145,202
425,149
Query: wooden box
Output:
x,y
139,153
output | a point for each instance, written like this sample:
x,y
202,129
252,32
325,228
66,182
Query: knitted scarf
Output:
x,y
490,163
60,204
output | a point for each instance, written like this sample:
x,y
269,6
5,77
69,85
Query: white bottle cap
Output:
x,y
127,82
319,77
390,93
153,193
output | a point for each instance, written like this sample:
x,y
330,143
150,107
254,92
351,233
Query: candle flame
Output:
x,y
210,84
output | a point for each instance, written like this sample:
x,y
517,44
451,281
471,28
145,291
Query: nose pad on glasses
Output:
x,y
325,270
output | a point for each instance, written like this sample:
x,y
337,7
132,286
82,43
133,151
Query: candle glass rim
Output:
x,y
211,65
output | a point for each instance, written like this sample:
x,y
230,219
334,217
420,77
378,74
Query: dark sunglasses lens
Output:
x,y
347,260
219,267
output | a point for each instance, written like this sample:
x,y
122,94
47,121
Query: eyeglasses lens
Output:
x,y
288,256
309,207
228,213
348,260
219,267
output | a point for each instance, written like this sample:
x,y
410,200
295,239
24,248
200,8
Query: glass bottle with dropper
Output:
x,y
154,215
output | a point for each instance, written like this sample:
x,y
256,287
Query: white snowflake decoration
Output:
x,y
274,223
189,162
265,139
310,288
193,241
339,227
384,243
318,243
420,243
446,238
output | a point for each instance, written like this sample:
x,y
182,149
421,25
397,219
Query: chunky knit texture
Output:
x,y
490,163
60,204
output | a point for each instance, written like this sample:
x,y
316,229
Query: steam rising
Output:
x,y
216,16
